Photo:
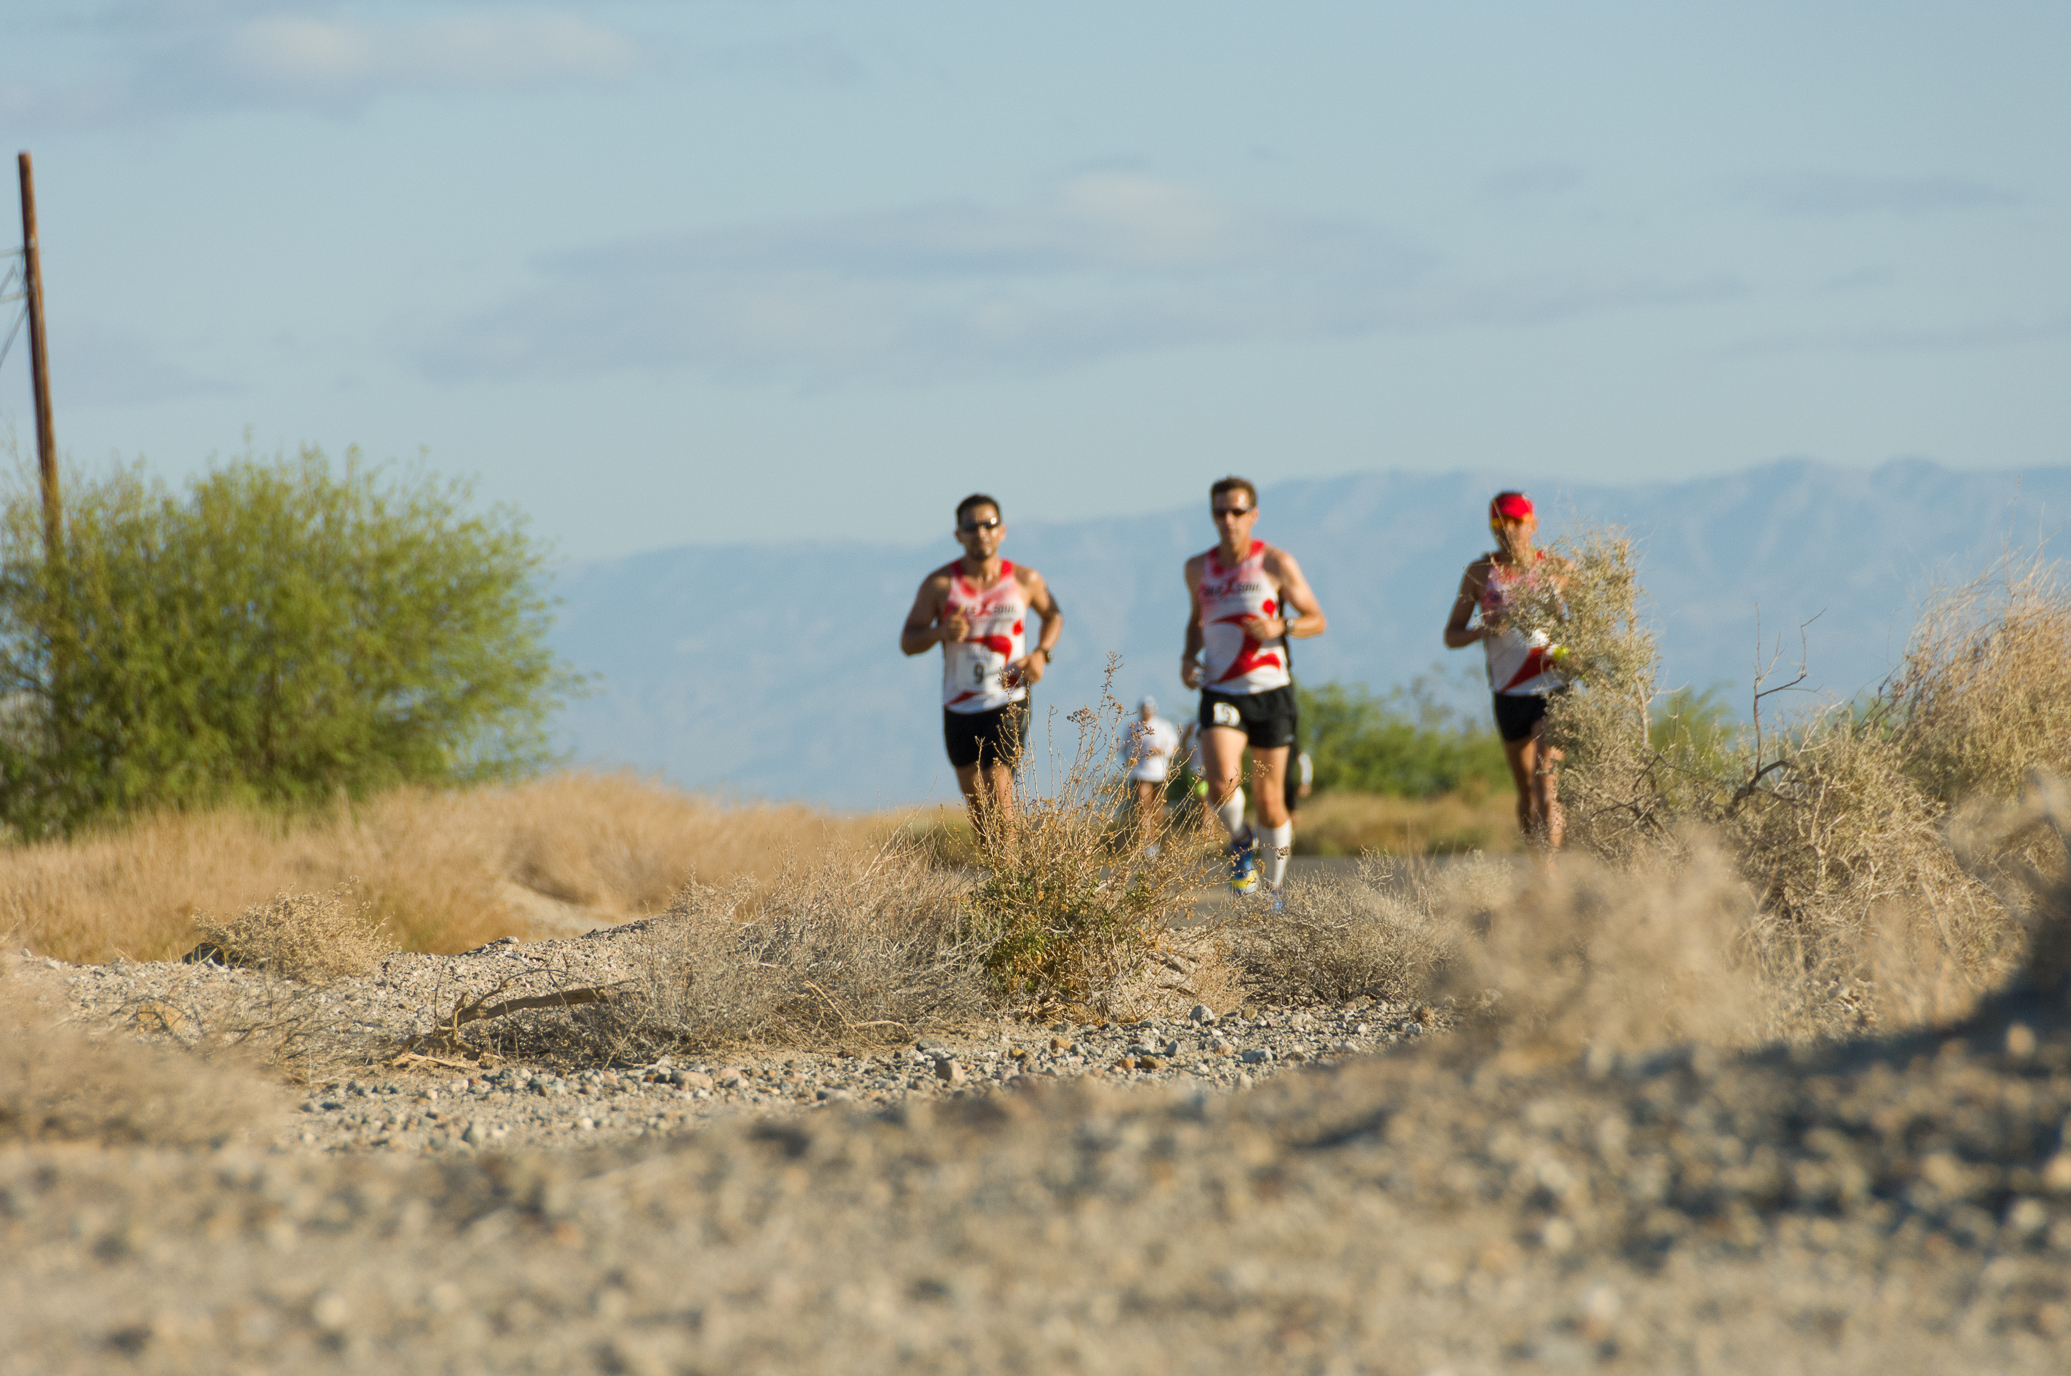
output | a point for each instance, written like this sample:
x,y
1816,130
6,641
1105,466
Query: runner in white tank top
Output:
x,y
1246,599
1519,663
1231,598
1523,666
977,608
978,673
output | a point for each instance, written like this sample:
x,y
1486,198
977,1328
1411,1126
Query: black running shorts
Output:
x,y
1518,713
996,737
1266,719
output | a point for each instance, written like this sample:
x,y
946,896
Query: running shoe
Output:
x,y
1244,865
1276,899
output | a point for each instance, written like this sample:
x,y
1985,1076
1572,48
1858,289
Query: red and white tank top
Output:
x,y
1234,662
1519,664
974,668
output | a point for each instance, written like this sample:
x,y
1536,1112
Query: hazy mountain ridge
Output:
x,y
774,670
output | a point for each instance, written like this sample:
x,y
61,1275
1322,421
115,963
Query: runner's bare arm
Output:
x,y
925,626
1190,670
1036,592
1294,592
1458,634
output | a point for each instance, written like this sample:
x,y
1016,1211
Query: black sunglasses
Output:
x,y
1231,511
973,527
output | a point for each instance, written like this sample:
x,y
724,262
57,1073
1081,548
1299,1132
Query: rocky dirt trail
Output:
x,y
1419,1206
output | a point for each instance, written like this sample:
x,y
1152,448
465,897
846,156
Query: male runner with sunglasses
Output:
x,y
1236,654
976,608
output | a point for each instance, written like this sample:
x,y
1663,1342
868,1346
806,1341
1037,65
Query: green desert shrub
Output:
x,y
1406,743
281,630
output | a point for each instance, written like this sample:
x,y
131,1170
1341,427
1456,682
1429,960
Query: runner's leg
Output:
x,y
1150,809
1514,753
1269,784
1543,761
1222,757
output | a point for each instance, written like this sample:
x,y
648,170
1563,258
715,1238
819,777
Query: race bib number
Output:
x,y
1224,714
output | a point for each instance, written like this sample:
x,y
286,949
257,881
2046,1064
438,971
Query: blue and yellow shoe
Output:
x,y
1244,865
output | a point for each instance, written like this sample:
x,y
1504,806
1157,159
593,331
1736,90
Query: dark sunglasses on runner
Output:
x,y
973,527
1232,512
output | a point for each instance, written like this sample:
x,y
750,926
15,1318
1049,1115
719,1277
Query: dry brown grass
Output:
x,y
445,871
1449,824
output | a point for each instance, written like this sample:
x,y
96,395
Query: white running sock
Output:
x,y
1231,814
1279,842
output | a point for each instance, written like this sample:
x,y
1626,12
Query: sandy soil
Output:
x,y
1416,1203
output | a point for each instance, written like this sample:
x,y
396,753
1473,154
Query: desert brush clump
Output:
x,y
1837,817
1980,700
857,949
1384,932
314,938
1078,898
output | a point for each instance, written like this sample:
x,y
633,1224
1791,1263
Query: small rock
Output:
x,y
1256,1056
728,1078
691,1079
2020,1042
586,1124
1202,1014
1171,1049
477,1133
1424,1014
1345,1048
1126,1063
330,1312
1149,1063
949,1070
1059,1044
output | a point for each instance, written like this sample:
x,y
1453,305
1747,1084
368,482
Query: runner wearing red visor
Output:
x,y
1521,666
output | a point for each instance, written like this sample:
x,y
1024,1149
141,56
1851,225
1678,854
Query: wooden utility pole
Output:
x,y
39,364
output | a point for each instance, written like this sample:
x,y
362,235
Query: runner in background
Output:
x,y
1241,593
976,608
1522,668
1300,778
1152,746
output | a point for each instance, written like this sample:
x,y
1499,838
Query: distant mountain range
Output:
x,y
774,670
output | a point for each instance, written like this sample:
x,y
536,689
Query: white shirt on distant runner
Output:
x,y
1152,744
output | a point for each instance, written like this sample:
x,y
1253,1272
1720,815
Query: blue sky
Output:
x,y
663,273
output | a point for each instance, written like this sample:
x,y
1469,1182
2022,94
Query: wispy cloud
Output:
x,y
1843,193
1535,182
1900,339
93,364
1102,264
203,59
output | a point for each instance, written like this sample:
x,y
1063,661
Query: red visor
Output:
x,y
1511,506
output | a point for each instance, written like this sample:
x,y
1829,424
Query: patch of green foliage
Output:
x,y
281,631
1409,742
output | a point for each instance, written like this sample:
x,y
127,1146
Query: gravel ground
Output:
x,y
437,1107
1421,1205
